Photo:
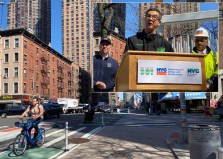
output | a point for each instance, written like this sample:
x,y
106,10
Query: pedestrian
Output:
x,y
105,68
148,39
148,108
211,59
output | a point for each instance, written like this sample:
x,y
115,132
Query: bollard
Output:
x,y
128,110
220,153
66,137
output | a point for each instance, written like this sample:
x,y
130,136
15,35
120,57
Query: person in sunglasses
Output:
x,y
211,59
149,39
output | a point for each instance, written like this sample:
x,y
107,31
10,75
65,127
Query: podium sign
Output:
x,y
163,71
147,71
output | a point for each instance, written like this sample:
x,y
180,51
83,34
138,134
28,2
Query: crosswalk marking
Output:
x,y
74,146
52,133
3,127
63,137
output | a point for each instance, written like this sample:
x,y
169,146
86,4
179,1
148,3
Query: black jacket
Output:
x,y
143,41
105,71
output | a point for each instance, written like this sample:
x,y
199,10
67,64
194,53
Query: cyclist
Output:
x,y
35,110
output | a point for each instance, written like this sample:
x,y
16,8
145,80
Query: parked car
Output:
x,y
80,108
103,108
52,110
13,110
106,109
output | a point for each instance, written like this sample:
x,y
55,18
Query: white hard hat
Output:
x,y
201,32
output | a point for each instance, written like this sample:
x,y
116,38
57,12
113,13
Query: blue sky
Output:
x,y
56,27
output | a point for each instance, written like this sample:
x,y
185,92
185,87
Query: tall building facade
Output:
x,y
77,32
30,67
32,15
77,37
113,99
117,22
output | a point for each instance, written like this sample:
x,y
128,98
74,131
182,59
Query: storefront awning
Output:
x,y
188,96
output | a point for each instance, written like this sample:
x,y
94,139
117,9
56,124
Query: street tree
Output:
x,y
212,27
105,12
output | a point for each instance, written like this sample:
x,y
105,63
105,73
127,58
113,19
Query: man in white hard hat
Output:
x,y
211,59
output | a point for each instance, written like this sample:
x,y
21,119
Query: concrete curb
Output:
x,y
170,145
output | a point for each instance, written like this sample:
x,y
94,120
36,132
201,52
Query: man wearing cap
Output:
x,y
211,59
149,39
105,68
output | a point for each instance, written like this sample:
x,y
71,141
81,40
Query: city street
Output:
x,y
124,135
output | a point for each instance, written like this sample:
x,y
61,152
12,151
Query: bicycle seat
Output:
x,y
21,125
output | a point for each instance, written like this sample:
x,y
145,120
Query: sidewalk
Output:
x,y
140,136
181,150
124,140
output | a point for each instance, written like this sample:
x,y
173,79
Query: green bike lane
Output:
x,y
58,148
35,153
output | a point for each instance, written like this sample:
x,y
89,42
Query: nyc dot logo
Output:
x,y
192,70
161,71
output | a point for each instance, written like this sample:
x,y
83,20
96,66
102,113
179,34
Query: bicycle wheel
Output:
x,y
20,144
40,142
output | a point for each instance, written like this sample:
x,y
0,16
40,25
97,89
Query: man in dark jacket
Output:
x,y
105,68
149,39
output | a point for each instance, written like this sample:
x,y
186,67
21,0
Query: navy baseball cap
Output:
x,y
106,40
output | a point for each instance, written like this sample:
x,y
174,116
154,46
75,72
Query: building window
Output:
x,y
24,72
16,87
25,59
16,57
37,89
37,63
121,46
6,57
6,88
24,88
96,42
16,72
6,73
25,44
6,44
37,51
16,42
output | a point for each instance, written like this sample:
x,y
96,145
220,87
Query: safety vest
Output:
x,y
211,63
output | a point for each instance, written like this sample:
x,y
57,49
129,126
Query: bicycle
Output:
x,y
25,138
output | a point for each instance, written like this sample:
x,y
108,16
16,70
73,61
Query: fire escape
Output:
x,y
70,85
45,79
60,79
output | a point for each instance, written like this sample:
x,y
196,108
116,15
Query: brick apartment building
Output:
x,y
30,67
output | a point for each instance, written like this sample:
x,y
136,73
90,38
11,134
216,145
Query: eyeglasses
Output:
x,y
154,17
200,40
